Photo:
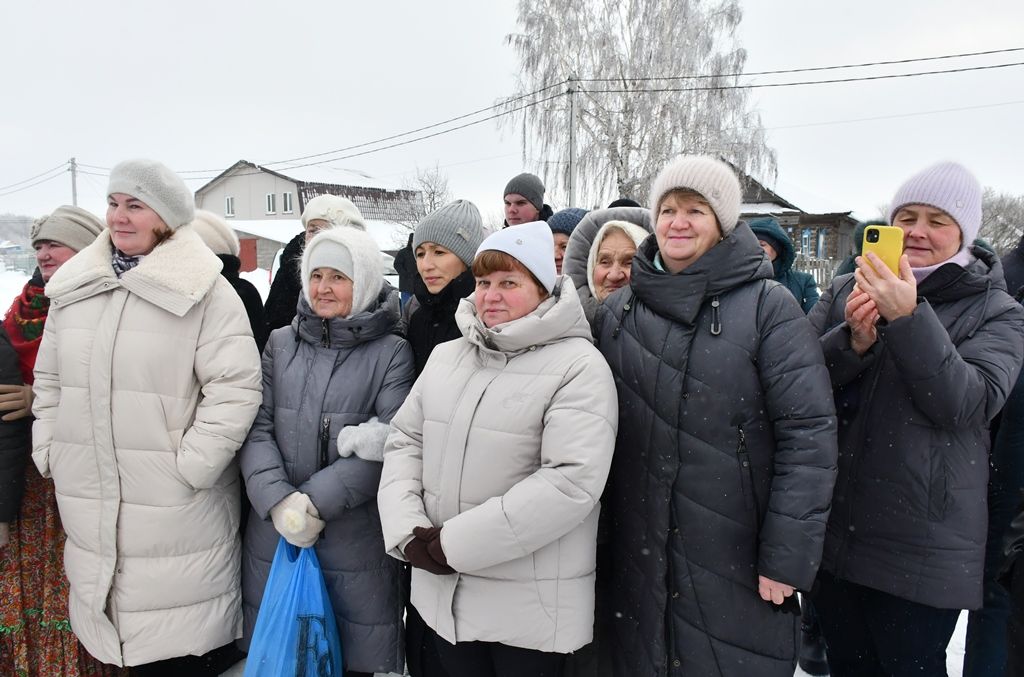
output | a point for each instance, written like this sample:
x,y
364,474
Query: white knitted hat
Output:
x,y
336,210
162,190
216,233
710,177
532,244
363,260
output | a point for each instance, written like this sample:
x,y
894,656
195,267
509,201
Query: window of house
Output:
x,y
286,203
229,206
805,242
271,203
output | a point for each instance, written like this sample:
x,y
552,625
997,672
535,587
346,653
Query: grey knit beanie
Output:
x,y
70,226
949,187
156,185
216,233
529,186
710,177
457,227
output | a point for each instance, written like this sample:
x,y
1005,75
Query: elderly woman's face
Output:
x,y
50,256
506,295
314,226
686,229
613,264
330,293
930,235
133,225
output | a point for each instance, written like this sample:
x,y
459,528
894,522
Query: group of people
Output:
x,y
590,443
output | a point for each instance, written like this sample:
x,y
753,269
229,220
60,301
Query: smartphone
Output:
x,y
887,244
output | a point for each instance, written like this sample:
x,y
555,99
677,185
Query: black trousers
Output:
x,y
871,633
490,659
210,664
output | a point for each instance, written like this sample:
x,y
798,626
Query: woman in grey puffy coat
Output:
x,y
332,381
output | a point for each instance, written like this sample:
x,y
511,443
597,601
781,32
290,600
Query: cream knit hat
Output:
x,y
710,177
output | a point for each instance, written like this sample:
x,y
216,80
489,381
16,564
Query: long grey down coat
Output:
x,y
318,377
910,504
723,468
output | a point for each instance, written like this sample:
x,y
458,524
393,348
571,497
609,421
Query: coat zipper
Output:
x,y
325,440
325,334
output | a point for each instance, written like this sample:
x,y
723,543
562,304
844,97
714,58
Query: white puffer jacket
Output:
x,y
145,387
506,440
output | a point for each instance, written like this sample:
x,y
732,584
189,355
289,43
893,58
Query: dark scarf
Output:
x,y
24,324
434,321
122,263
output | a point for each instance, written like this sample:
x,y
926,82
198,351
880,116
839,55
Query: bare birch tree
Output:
x,y
626,130
1002,220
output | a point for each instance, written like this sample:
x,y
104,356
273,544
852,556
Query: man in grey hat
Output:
x,y
524,200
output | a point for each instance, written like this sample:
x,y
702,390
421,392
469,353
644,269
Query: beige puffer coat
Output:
x,y
145,388
506,440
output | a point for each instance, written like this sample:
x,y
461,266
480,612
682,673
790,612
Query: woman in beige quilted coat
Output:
x,y
146,384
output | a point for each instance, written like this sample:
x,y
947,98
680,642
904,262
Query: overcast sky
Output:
x,y
199,85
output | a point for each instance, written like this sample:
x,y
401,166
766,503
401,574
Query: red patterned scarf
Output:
x,y
24,324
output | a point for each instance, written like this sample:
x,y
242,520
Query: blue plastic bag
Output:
x,y
296,634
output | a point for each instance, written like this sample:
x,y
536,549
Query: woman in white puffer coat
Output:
x,y
494,468
146,384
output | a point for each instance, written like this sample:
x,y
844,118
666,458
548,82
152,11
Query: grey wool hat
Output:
x,y
161,189
70,226
712,178
529,186
457,226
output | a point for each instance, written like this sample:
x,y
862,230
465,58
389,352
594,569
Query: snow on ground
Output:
x,y
260,279
11,284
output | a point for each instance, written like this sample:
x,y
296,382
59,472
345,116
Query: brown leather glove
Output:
x,y
418,555
432,536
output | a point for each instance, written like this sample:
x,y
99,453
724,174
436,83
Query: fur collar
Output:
x,y
175,276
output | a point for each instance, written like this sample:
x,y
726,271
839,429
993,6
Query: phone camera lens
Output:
x,y
872,235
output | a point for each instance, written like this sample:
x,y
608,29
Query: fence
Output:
x,y
24,262
823,270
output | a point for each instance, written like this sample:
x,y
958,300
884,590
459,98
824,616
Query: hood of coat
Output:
x,y
952,282
735,260
380,319
577,252
558,317
175,276
769,229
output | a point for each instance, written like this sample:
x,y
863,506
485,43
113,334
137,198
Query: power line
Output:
x,y
808,69
18,190
31,178
894,116
800,83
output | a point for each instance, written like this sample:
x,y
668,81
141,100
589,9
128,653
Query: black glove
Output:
x,y
419,556
432,536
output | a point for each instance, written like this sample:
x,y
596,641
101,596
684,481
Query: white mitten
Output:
x,y
365,440
297,520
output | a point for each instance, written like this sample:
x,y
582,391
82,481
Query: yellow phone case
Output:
x,y
887,243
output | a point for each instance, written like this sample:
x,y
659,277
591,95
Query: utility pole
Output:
x,y
74,182
572,140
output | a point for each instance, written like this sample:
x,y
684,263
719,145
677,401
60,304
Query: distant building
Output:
x,y
264,205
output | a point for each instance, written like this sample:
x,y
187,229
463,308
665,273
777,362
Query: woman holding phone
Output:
x,y
920,363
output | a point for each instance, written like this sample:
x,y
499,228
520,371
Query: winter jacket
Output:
x,y
250,297
433,319
145,387
318,377
283,297
800,284
574,264
910,501
14,439
505,441
1013,269
724,465
405,266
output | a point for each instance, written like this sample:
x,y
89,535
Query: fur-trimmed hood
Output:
x,y
175,276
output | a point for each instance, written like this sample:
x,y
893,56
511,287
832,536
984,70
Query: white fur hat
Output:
x,y
631,230
532,244
216,233
367,271
336,210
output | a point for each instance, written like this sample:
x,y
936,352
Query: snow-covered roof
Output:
x,y
340,176
765,208
388,235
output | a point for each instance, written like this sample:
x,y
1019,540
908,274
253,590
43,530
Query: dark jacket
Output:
x,y
799,283
15,445
723,468
1013,269
279,311
249,295
433,320
318,377
405,266
910,501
